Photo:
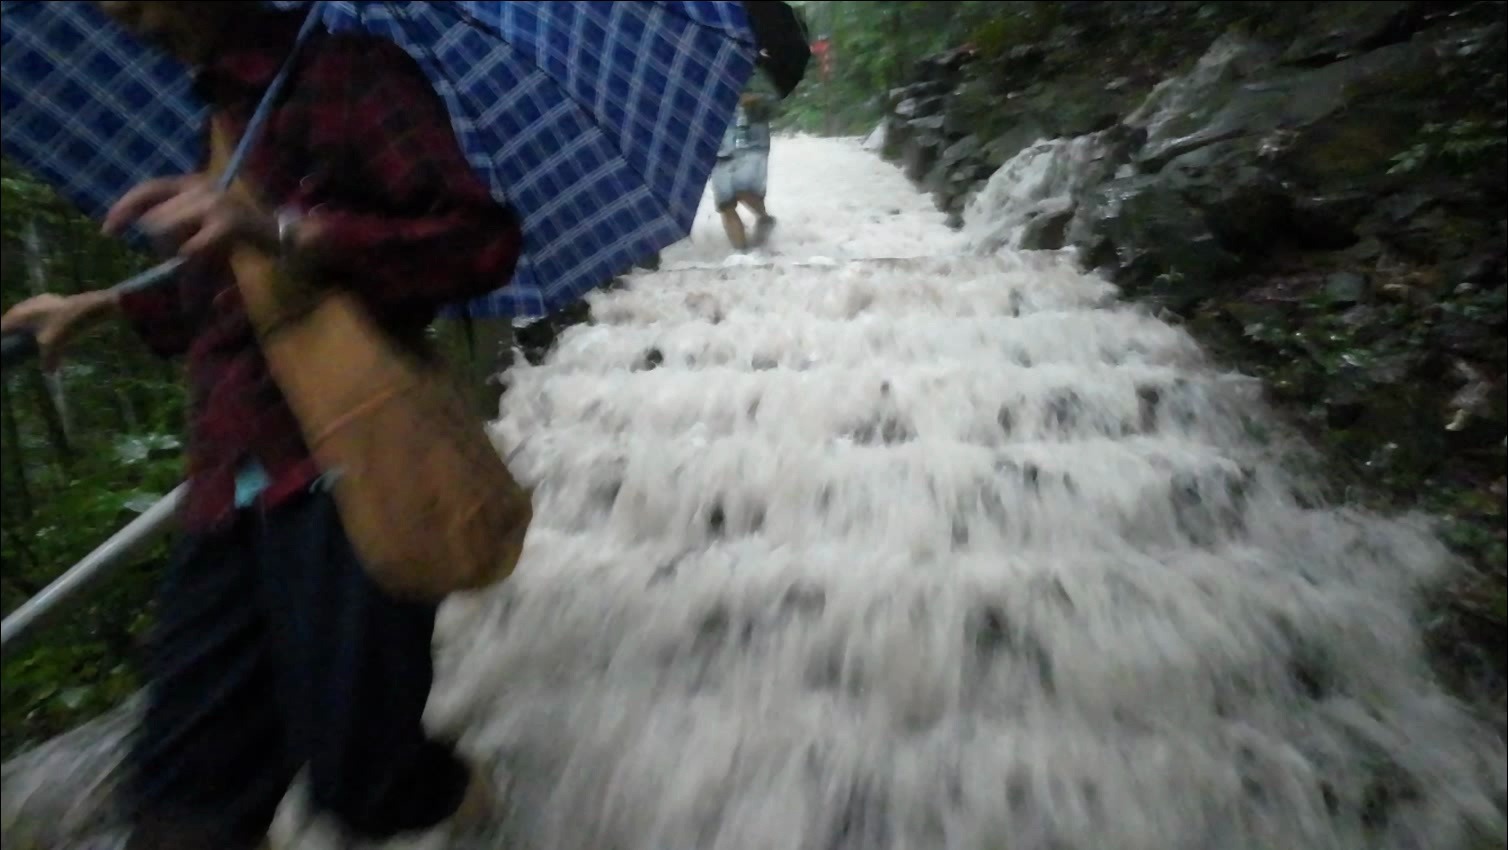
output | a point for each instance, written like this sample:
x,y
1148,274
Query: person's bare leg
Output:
x,y
763,221
734,226
755,203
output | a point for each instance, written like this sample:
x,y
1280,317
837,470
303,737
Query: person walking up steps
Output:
x,y
742,170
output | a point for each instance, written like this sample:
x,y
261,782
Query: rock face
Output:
x,y
1319,188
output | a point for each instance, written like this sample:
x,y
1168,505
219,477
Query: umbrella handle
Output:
x,y
17,347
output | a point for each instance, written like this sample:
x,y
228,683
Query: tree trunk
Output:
x,y
14,459
36,272
125,414
57,432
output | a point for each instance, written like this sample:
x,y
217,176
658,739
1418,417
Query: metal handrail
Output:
x,y
473,365
97,565
18,345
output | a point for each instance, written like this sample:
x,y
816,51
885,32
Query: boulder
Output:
x,y
1047,230
919,157
1181,108
961,150
1243,204
1328,222
1346,289
1150,232
918,107
897,137
1341,30
1351,107
1018,138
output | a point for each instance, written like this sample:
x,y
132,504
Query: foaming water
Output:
x,y
942,551
1042,180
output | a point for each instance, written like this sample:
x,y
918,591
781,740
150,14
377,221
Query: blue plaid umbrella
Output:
x,y
598,122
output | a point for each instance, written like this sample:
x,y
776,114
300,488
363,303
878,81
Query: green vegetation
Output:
x,y
875,46
84,452
1460,147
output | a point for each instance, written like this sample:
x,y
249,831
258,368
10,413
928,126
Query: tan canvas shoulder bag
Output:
x,y
425,498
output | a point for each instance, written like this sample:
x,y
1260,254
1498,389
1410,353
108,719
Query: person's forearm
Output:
x,y
98,305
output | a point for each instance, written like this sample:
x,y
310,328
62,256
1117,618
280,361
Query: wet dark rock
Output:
x,y
803,601
1389,787
1330,799
1363,323
1328,222
1346,289
1149,399
1484,266
887,431
1153,235
1311,672
1006,420
863,820
652,359
1047,231
959,532
961,150
665,572
919,159
712,630
537,339
995,638
990,634
1012,141
1470,336
917,107
1063,410
1345,29
606,495
1243,204
1207,507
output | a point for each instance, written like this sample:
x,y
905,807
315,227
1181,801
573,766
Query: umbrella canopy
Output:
x,y
598,122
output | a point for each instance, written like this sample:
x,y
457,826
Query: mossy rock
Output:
x,y
1156,236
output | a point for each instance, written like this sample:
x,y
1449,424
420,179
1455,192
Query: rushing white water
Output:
x,y
943,552
1042,180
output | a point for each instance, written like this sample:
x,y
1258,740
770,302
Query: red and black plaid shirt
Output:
x,y
361,142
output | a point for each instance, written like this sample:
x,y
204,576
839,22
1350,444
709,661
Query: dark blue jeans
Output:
x,y
275,651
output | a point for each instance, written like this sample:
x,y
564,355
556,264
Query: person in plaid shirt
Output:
x,y
274,650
